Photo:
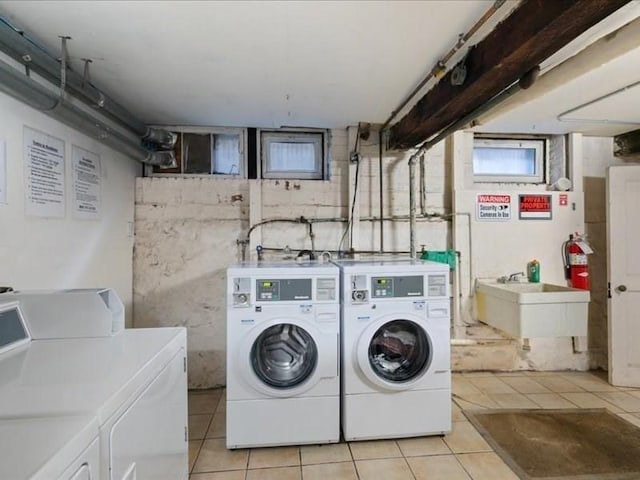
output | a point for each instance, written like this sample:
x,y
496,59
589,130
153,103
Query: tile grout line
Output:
x,y
462,466
409,466
196,457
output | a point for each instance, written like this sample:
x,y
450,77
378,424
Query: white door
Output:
x,y
623,239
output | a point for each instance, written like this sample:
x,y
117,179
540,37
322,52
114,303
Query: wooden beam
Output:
x,y
627,146
532,33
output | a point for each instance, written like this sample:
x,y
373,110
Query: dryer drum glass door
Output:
x,y
284,355
399,351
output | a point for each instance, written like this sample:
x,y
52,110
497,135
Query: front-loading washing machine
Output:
x,y
283,325
396,365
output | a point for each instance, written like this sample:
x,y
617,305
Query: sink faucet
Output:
x,y
515,277
512,278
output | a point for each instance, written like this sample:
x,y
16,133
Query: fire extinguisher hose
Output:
x,y
565,257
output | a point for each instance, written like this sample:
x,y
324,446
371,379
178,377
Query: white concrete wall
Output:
x,y
186,232
490,249
187,228
39,252
504,247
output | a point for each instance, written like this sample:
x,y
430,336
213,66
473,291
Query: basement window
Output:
x,y
293,154
207,151
212,154
509,160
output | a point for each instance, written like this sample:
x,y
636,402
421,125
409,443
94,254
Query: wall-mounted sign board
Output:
x,y
87,183
493,207
44,174
535,207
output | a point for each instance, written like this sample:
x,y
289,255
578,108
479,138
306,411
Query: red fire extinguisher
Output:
x,y
575,252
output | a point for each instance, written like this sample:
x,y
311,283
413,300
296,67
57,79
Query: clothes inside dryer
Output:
x,y
399,351
284,355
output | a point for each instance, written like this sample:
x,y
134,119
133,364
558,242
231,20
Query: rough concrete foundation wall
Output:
x,y
598,155
186,232
433,234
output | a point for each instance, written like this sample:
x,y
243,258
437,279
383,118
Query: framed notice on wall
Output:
x,y
535,207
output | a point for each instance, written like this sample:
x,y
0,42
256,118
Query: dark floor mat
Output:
x,y
562,444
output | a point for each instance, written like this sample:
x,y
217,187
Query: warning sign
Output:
x,y
535,207
493,208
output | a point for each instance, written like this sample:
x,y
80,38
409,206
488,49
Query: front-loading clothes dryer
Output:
x,y
283,324
132,384
396,366
49,448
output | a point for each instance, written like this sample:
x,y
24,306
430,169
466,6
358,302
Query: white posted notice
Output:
x,y
44,174
87,183
493,207
3,172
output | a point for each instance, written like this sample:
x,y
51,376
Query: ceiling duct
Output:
x,y
27,90
18,46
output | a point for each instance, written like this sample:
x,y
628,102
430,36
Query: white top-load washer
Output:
x,y
396,365
283,383
132,384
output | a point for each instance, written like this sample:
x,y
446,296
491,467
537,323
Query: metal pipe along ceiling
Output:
x,y
22,49
35,95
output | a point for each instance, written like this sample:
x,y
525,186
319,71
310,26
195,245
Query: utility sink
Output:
x,y
528,310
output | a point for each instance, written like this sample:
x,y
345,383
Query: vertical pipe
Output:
x,y
423,187
312,237
412,205
381,191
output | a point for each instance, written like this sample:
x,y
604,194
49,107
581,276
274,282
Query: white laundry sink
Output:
x,y
528,310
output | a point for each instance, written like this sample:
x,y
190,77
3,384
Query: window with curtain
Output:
x,y
225,157
509,160
297,155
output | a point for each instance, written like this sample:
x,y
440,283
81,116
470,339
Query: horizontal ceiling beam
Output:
x,y
532,33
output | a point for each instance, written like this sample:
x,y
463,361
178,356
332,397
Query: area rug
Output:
x,y
568,444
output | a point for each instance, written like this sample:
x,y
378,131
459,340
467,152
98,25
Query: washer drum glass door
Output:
x,y
284,356
399,352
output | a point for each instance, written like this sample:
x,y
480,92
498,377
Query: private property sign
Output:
x,y
535,207
493,207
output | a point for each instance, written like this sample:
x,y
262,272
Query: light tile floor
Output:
x,y
463,454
